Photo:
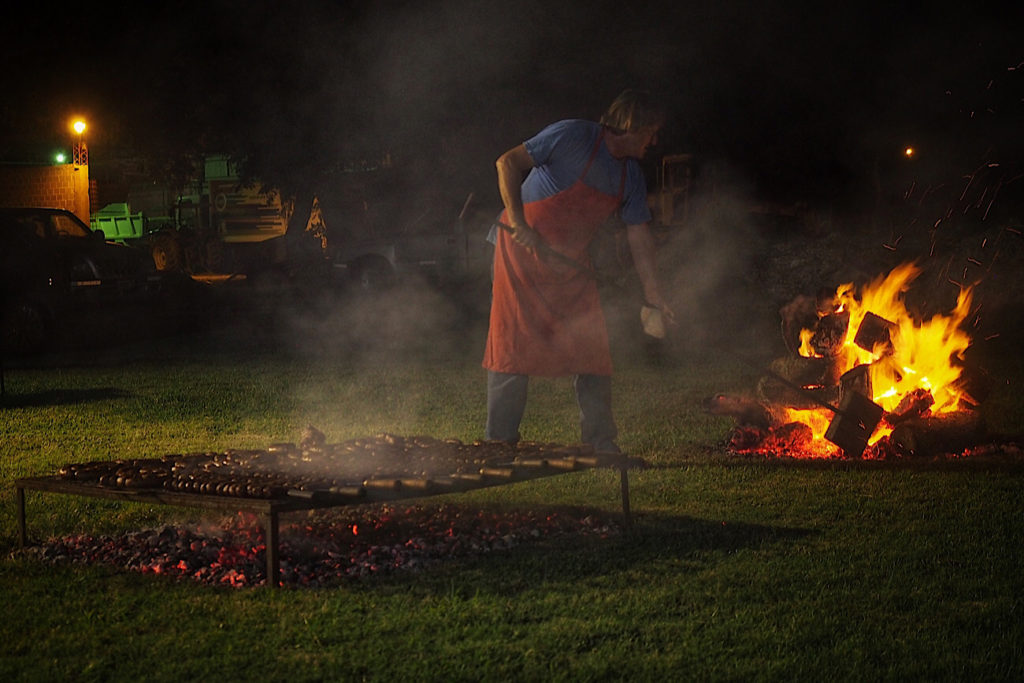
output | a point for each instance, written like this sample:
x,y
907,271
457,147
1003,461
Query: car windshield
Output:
x,y
65,226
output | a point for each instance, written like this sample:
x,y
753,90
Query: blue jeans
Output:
x,y
506,403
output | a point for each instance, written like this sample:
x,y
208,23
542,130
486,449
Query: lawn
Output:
x,y
737,568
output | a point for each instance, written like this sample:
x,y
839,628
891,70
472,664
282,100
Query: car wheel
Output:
x,y
24,327
166,253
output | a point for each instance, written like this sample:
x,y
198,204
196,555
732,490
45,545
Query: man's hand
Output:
x,y
655,300
641,245
526,236
512,166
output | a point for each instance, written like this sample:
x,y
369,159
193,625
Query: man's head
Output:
x,y
634,120
633,110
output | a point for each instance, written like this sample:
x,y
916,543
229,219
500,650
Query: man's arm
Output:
x,y
641,245
512,166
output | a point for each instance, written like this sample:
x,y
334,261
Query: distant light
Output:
x,y
78,126
60,158
909,152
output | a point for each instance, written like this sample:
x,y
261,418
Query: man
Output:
x,y
546,317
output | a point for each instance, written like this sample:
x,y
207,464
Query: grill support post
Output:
x,y
270,529
627,517
19,494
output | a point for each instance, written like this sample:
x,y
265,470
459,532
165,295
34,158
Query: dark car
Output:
x,y
56,273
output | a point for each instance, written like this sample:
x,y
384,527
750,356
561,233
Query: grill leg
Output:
x,y
273,563
19,493
627,517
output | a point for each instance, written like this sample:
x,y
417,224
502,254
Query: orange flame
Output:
x,y
923,354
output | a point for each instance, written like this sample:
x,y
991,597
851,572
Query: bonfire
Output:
x,y
867,378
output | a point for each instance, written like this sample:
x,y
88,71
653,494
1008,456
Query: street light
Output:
x,y
80,155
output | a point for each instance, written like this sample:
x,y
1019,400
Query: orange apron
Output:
x,y
546,317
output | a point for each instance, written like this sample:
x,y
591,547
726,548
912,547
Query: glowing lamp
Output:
x,y
80,153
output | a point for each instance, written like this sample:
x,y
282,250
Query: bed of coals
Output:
x,y
326,547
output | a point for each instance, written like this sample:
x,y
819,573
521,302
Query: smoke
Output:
x,y
383,345
712,265
412,316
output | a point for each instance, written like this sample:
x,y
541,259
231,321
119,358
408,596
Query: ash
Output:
x,y
323,548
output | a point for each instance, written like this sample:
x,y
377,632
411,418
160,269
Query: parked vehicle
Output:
x,y
55,272
444,243
217,223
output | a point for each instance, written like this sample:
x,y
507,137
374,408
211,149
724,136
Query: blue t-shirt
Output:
x,y
560,153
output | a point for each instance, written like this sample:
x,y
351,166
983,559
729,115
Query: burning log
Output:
x,y
746,440
830,333
935,435
855,418
916,404
854,423
857,380
803,313
794,437
818,377
746,411
914,368
800,314
875,334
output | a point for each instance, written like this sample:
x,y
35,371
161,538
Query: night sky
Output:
x,y
802,100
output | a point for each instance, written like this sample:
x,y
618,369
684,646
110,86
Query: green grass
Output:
x,y
738,570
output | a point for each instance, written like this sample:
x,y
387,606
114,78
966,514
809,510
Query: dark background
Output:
x,y
803,101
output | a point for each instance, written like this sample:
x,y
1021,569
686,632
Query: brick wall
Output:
x,y
61,187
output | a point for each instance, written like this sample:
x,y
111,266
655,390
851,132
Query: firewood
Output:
x,y
875,334
915,404
856,379
746,411
939,434
819,376
830,334
854,423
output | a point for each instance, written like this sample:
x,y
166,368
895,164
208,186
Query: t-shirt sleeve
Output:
x,y
571,139
559,154
541,145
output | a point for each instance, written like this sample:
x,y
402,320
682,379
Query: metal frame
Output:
x,y
270,509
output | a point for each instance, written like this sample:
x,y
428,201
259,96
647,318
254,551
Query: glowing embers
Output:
x,y
324,547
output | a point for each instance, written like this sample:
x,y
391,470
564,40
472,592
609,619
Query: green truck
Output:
x,y
218,223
